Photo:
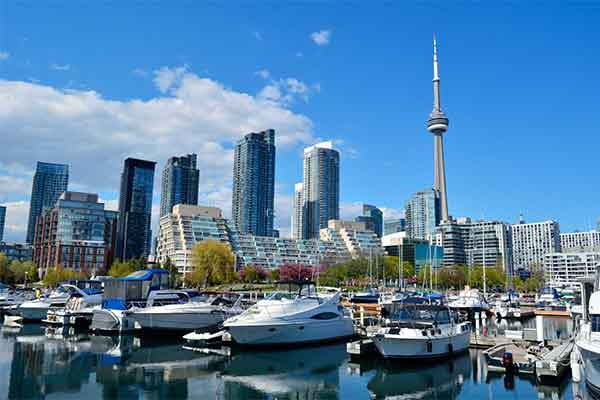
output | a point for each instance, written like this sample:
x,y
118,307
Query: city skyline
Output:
x,y
505,158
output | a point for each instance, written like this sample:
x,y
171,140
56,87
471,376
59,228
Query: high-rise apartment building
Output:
x,y
372,218
394,225
76,233
354,236
422,214
2,221
49,182
135,209
531,241
183,227
568,268
252,208
297,224
477,243
321,188
580,242
179,183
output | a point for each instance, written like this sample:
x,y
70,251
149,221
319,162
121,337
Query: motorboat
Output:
x,y
369,296
508,306
193,312
78,310
470,300
11,299
549,299
140,289
37,310
587,342
294,314
420,331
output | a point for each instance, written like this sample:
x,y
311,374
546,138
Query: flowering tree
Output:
x,y
296,272
251,274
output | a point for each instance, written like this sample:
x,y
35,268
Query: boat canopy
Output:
x,y
144,275
414,313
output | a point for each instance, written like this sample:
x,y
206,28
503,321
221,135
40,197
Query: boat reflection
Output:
x,y
442,379
311,372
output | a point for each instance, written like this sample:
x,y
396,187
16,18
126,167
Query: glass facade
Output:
x,y
252,206
321,188
135,209
77,233
49,182
422,214
2,221
372,218
179,183
394,225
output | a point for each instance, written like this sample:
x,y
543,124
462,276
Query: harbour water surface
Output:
x,y
35,363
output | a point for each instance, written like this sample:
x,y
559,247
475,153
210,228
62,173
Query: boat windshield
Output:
x,y
437,315
293,290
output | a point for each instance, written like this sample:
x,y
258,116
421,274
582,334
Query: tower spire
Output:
x,y
438,125
436,78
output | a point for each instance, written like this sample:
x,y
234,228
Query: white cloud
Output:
x,y
59,67
392,213
15,228
322,37
93,134
166,78
4,55
142,73
263,73
286,91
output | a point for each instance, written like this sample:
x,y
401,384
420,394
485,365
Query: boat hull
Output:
x,y
298,332
35,312
591,364
180,321
112,321
392,346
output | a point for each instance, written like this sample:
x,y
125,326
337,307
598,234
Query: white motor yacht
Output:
x,y
298,315
37,310
422,331
11,299
508,306
587,341
470,300
194,312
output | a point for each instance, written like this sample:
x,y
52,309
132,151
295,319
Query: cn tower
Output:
x,y
437,124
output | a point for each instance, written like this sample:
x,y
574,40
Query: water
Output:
x,y
35,364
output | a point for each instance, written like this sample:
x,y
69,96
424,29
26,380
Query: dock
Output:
x,y
553,313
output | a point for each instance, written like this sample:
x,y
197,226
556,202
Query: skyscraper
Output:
x,y
531,241
2,220
422,214
437,124
394,225
372,218
321,188
297,212
252,208
179,183
49,182
135,209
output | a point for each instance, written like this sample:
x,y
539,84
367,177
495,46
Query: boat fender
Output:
x,y
575,365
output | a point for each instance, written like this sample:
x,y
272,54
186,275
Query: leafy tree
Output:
x,y
213,263
120,269
6,275
174,275
296,272
274,275
252,274
59,274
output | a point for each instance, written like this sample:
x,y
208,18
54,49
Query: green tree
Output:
x,y
59,274
213,263
174,275
274,275
6,275
120,269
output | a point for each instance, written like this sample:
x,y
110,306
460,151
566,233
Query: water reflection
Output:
x,y
40,363
302,373
442,379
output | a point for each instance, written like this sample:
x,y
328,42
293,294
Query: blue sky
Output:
x,y
89,84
